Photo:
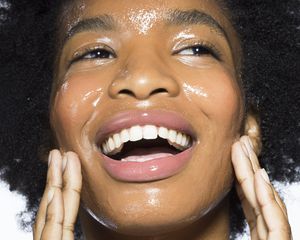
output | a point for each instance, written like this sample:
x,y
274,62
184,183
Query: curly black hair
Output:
x,y
269,32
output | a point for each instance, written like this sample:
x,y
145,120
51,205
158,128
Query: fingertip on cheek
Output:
x,y
236,146
238,151
73,159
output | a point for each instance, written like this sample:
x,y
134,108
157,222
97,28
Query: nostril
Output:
x,y
158,90
132,93
127,92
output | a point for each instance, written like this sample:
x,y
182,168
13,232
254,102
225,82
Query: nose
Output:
x,y
143,77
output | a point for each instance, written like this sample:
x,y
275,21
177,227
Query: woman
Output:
x,y
146,165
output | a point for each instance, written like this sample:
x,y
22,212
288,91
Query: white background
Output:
x,y
12,203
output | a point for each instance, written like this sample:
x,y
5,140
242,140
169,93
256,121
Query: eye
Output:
x,y
98,53
93,54
199,50
196,50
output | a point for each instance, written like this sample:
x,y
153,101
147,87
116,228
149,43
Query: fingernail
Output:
x,y
244,148
248,145
264,175
49,158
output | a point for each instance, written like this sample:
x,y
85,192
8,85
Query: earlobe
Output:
x,y
252,129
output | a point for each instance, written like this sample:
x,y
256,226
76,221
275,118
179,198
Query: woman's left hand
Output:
x,y
264,210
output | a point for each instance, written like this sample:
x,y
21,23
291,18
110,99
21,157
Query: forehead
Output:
x,y
146,3
142,14
130,6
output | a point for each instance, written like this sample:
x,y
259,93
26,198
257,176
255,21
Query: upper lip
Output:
x,y
127,119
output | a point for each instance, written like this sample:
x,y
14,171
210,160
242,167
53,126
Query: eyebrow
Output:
x,y
102,22
195,17
174,17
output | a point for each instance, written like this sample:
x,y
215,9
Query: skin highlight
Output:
x,y
103,69
74,112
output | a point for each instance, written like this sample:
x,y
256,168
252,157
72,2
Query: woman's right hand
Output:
x,y
60,202
264,210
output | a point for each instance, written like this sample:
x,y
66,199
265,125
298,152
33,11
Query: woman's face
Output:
x,y
146,94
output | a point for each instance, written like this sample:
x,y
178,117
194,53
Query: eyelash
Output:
x,y
202,49
96,51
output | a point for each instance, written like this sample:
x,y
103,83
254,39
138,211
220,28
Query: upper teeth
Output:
x,y
115,143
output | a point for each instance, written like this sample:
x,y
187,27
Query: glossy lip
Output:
x,y
152,170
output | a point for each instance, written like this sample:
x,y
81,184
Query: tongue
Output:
x,y
147,154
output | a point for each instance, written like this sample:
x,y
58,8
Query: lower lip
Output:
x,y
152,170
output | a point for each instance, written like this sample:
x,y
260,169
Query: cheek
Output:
x,y
74,103
216,93
216,100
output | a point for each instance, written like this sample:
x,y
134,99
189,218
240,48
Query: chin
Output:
x,y
156,216
146,224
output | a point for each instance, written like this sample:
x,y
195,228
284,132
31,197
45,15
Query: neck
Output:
x,y
215,225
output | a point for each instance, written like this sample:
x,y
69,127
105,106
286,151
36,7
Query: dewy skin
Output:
x,y
145,67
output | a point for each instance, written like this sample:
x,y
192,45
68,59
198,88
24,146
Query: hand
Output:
x,y
264,210
59,205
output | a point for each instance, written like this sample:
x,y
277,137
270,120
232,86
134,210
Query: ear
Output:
x,y
252,129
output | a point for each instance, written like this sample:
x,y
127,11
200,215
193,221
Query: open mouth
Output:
x,y
144,146
144,143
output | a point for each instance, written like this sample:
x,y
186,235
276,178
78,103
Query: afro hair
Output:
x,y
269,32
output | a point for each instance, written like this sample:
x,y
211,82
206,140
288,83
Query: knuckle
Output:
x,y
258,213
266,204
68,227
287,229
51,184
282,229
242,180
51,218
72,188
76,190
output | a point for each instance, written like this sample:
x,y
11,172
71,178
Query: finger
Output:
x,y
71,193
244,173
249,213
251,153
54,218
54,180
261,227
276,221
256,166
245,176
279,201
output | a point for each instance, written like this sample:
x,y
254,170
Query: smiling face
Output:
x,y
146,94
